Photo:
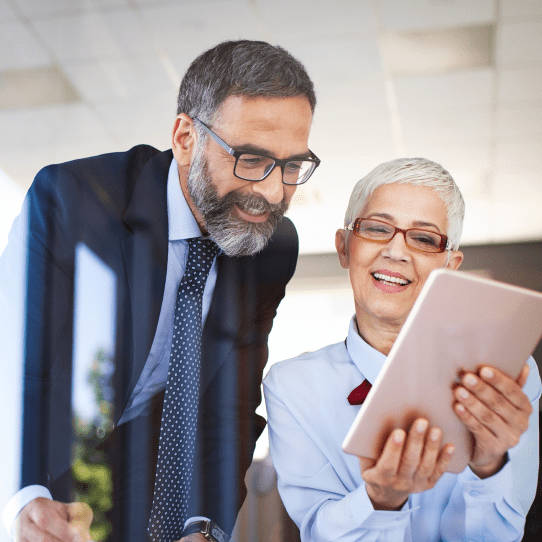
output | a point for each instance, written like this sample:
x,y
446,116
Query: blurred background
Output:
x,y
456,81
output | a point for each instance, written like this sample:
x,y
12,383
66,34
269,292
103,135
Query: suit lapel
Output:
x,y
145,258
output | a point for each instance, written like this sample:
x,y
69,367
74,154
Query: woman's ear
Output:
x,y
342,247
455,260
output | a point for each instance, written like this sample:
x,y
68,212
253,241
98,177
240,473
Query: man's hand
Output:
x,y
408,464
44,519
496,412
194,537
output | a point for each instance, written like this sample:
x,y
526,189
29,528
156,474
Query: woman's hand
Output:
x,y
409,463
496,411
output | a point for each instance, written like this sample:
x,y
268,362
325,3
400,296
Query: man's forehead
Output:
x,y
260,108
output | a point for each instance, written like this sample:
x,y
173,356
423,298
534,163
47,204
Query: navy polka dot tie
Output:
x,y
180,411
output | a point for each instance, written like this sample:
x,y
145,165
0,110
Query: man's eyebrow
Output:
x,y
416,223
255,149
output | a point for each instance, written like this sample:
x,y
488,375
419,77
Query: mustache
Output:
x,y
256,203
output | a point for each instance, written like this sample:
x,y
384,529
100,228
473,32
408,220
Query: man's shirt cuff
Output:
x,y
19,501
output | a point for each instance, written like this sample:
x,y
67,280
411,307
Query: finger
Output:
x,y
366,463
430,453
487,394
24,531
443,461
51,517
523,375
410,459
476,415
510,389
493,401
390,459
80,516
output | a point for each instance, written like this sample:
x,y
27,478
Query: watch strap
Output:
x,y
210,530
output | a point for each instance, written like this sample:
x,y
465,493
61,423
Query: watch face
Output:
x,y
218,534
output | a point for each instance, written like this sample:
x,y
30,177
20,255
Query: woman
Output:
x,y
404,219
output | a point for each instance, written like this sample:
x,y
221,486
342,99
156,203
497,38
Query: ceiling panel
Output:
x,y
521,182
19,48
447,126
33,8
23,167
454,90
289,21
400,15
519,123
519,43
357,102
513,155
49,126
339,62
140,120
106,80
86,36
519,8
126,58
201,24
520,85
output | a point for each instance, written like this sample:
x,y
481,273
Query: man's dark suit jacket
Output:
x,y
116,205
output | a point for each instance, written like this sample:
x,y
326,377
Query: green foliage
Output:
x,y
91,473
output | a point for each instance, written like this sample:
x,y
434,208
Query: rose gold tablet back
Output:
x,y
459,321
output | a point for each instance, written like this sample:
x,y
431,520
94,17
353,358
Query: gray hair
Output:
x,y
418,172
240,68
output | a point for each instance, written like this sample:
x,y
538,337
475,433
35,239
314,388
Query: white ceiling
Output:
x,y
456,81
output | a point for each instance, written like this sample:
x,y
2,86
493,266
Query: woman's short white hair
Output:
x,y
419,172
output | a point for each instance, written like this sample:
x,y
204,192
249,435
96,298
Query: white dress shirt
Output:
x,y
181,226
322,488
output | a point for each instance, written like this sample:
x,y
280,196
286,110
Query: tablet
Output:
x,y
458,322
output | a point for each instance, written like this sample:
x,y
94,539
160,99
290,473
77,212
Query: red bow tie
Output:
x,y
358,395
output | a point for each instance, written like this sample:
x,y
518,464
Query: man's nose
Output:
x,y
271,188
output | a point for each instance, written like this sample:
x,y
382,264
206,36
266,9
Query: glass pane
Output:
x,y
253,166
297,171
424,240
374,229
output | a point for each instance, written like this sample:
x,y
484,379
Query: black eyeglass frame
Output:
x,y
276,161
445,243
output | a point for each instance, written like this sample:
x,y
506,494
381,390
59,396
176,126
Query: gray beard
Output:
x,y
235,236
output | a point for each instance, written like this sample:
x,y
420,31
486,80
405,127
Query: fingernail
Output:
x,y
486,372
434,434
450,450
470,380
421,426
460,408
398,437
463,393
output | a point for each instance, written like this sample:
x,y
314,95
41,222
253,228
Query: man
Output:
x,y
239,148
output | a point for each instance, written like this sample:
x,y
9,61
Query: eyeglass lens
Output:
x,y
254,168
374,230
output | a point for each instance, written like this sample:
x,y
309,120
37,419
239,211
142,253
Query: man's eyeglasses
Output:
x,y
378,231
256,167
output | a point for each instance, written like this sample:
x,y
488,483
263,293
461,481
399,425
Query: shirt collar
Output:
x,y
182,224
367,359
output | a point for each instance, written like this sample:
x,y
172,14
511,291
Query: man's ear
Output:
x,y
342,247
184,140
455,260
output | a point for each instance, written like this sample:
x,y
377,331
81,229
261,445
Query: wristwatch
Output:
x,y
210,530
